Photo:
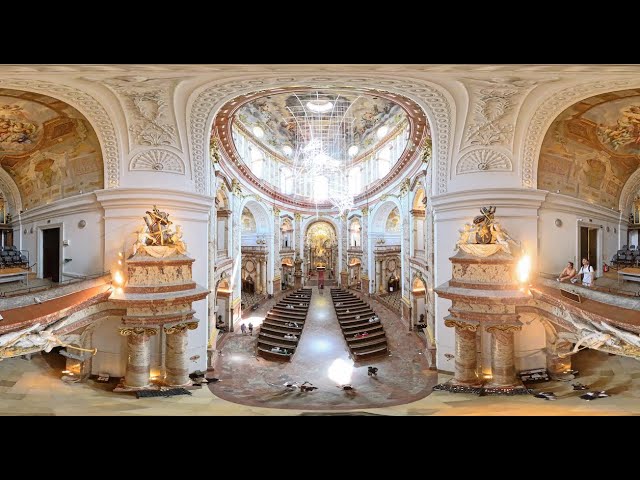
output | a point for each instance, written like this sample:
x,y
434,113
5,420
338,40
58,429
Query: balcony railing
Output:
x,y
286,249
254,249
387,249
354,250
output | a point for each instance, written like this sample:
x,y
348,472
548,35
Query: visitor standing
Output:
x,y
250,328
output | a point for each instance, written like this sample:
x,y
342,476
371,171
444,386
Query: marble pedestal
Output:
x,y
485,296
158,294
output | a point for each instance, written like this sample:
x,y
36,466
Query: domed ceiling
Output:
x,y
321,133
48,148
288,119
592,148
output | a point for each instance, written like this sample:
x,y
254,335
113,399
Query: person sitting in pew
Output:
x,y
289,336
292,324
372,371
374,319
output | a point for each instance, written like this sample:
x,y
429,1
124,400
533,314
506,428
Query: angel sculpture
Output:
x,y
501,237
464,236
176,239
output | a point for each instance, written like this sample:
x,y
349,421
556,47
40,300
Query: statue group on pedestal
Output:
x,y
485,231
159,233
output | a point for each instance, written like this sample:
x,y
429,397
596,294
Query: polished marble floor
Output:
x,y
34,388
322,358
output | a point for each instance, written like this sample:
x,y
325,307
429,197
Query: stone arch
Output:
x,y
92,110
222,200
11,193
629,191
548,110
381,213
436,102
260,214
311,220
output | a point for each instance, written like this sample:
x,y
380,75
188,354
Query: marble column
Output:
x,y
364,242
263,276
503,369
277,246
465,352
176,361
138,370
258,279
383,275
378,264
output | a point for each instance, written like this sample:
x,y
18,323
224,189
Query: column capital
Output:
x,y
297,217
507,328
365,211
127,331
459,324
181,327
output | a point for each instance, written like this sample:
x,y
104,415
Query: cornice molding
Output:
x,y
504,197
124,202
576,206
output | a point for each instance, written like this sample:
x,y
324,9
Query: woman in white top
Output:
x,y
587,273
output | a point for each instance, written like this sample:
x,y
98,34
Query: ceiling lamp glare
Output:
x,y
258,132
353,150
382,131
287,150
319,106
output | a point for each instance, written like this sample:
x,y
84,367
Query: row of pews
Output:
x,y
360,326
280,332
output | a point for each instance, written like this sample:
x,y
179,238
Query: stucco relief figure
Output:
x,y
176,239
141,240
502,238
465,235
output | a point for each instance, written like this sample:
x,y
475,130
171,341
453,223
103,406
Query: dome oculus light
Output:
x,y
353,150
319,106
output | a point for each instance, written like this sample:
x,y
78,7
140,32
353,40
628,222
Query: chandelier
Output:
x,y
323,146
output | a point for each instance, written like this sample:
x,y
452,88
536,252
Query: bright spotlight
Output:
x,y
340,371
524,268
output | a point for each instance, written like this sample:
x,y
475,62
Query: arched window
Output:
x,y
355,180
257,161
320,188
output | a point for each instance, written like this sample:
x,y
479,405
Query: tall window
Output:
x,y
320,188
355,180
286,180
384,161
257,161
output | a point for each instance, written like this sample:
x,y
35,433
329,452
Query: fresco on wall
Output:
x,y
48,148
363,114
393,221
247,221
592,148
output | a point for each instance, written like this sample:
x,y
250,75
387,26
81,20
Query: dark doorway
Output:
x,y
588,246
51,254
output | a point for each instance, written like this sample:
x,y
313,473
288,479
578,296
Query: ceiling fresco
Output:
x,y
279,116
48,148
592,148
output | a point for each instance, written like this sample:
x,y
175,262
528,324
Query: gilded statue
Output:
x,y
483,225
158,233
485,236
